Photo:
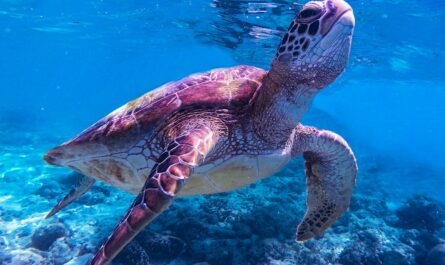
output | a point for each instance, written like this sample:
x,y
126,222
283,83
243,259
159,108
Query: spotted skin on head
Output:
x,y
315,49
307,28
301,33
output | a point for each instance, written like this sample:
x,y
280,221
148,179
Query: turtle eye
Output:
x,y
309,14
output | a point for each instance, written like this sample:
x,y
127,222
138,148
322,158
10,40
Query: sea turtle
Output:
x,y
224,129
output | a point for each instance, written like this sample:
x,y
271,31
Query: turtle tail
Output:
x,y
84,184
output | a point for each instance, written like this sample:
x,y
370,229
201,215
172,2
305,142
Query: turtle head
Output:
x,y
315,49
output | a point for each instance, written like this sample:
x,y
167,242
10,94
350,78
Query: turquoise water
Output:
x,y
64,65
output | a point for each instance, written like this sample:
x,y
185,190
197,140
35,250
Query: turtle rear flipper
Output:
x,y
173,167
84,184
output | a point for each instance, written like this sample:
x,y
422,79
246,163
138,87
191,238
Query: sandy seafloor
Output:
x,y
387,223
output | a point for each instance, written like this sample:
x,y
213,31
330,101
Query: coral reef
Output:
x,y
253,225
44,236
422,213
436,256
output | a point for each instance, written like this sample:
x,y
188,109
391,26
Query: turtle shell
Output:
x,y
233,86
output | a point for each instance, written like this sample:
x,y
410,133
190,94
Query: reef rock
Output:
x,y
272,251
46,235
436,256
26,257
213,251
369,247
133,254
61,251
81,260
5,257
159,246
421,212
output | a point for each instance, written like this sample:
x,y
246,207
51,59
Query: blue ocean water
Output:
x,y
65,64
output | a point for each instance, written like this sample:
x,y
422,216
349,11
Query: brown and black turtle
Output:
x,y
225,129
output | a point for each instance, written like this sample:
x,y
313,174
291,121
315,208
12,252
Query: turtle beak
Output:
x,y
338,12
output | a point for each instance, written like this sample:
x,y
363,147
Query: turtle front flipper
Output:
x,y
330,176
168,175
84,184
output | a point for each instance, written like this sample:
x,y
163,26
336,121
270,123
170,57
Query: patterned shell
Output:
x,y
233,86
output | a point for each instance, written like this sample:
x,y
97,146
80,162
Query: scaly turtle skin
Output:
x,y
224,129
